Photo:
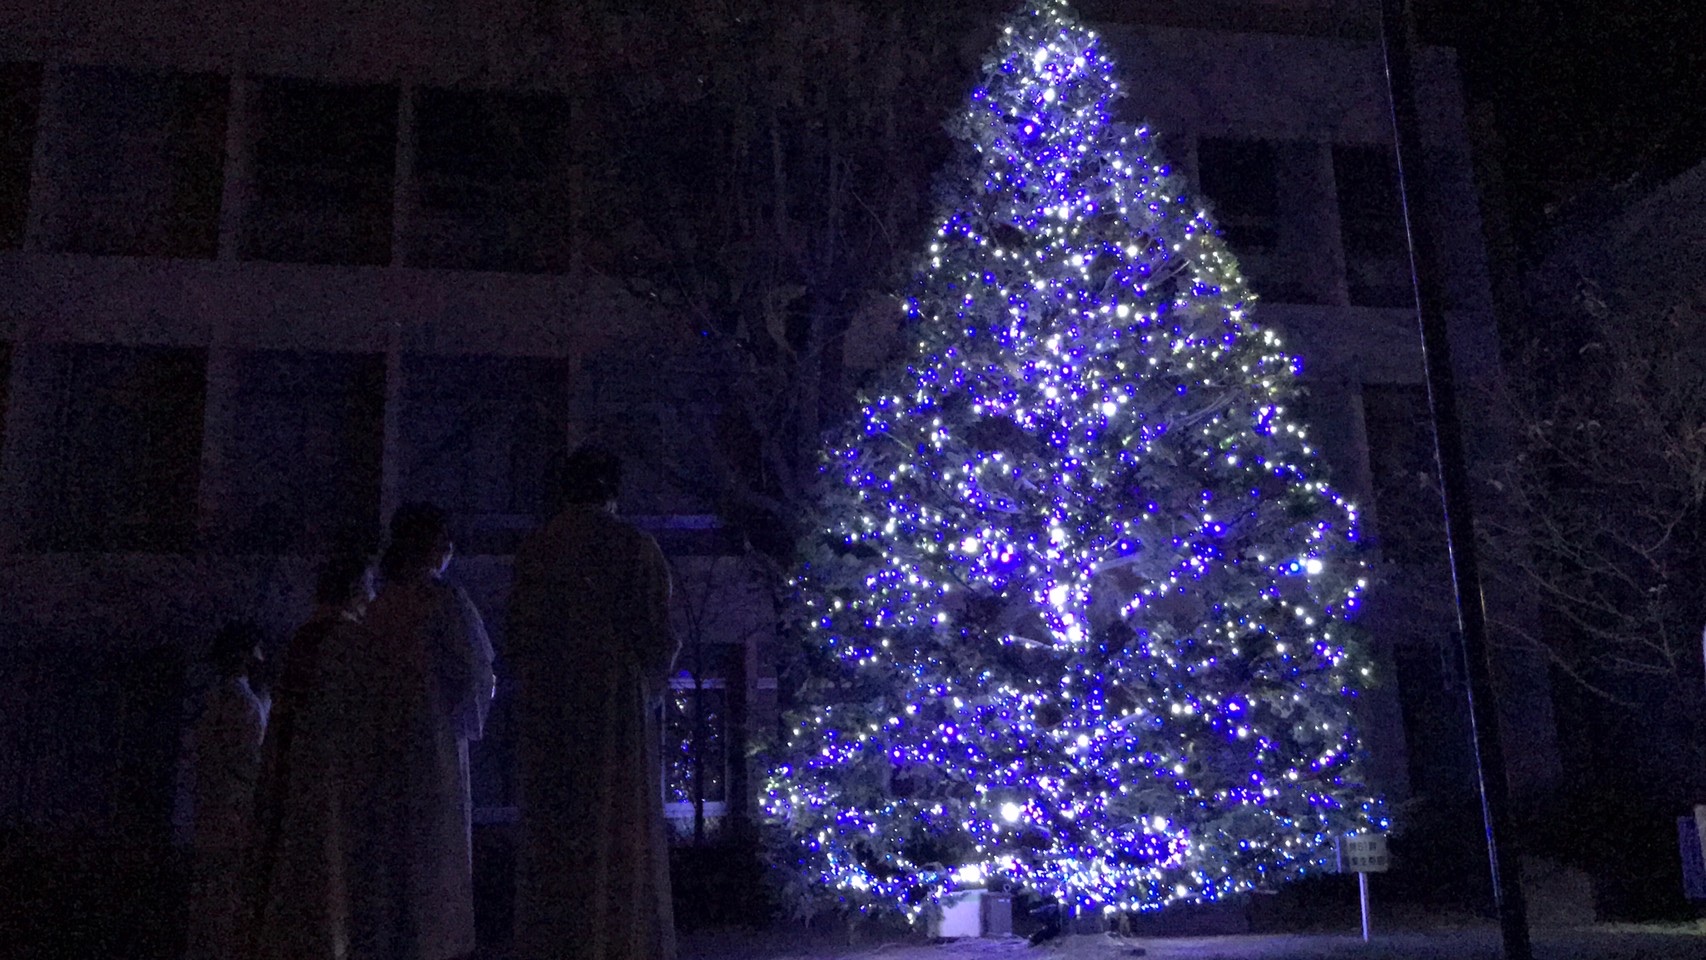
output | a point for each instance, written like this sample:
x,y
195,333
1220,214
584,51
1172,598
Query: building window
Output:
x,y
1371,227
5,396
1244,179
695,749
479,436
492,181
307,447
20,104
1409,513
324,165
1416,612
139,163
120,469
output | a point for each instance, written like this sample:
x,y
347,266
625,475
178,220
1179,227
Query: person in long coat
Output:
x,y
589,640
298,890
414,698
226,763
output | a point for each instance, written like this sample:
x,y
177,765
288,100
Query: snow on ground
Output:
x,y
1673,942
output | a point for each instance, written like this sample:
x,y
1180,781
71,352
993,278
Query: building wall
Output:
x,y
317,248
1321,104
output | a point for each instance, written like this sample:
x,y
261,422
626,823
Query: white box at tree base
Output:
x,y
973,913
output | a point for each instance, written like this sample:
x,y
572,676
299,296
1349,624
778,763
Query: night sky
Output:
x,y
1586,95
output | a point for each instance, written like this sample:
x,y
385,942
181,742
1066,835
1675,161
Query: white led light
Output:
x,y
1140,470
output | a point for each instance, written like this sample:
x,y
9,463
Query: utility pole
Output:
x,y
1454,482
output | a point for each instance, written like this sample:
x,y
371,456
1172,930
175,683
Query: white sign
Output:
x,y
1362,853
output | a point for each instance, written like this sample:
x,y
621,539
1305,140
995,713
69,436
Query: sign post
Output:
x,y
1691,837
1362,854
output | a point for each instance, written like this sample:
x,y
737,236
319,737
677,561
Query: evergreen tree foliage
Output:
x,y
1075,615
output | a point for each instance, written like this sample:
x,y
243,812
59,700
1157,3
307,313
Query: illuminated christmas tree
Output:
x,y
1076,614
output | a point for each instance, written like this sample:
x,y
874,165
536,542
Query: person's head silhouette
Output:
x,y
236,649
591,476
420,546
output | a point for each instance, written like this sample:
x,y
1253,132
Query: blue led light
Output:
x,y
1051,640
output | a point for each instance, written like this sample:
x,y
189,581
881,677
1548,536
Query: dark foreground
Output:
x,y
1605,942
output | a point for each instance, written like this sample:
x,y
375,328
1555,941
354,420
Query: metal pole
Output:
x,y
1454,483
700,735
1362,893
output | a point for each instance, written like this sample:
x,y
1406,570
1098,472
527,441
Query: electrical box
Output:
x,y
973,913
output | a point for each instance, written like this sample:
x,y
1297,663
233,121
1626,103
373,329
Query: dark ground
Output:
x,y
114,899
1465,943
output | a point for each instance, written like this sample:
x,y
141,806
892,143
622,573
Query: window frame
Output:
x,y
295,190
491,210
140,168
678,812
1373,236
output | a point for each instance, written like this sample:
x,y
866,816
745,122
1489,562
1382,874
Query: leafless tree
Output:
x,y
1608,485
766,187
722,609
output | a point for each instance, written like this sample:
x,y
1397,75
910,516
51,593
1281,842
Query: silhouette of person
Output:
x,y
590,642
414,697
226,760
299,894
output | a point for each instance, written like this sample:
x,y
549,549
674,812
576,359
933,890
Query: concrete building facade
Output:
x,y
270,269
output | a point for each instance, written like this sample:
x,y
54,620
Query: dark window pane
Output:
x,y
1371,227
1242,178
695,747
1409,528
324,169
479,434
492,173
306,453
142,163
5,393
126,458
20,104
490,136
1409,514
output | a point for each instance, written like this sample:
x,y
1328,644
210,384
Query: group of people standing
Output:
x,y
337,825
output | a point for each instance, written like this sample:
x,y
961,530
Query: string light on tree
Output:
x,y
1076,618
